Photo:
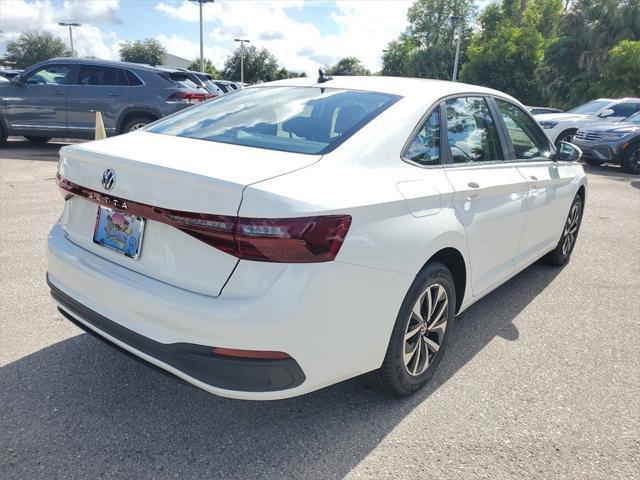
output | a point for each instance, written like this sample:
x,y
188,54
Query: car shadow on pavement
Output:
x,y
19,149
79,409
608,170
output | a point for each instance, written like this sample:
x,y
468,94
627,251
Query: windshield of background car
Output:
x,y
311,120
590,108
635,118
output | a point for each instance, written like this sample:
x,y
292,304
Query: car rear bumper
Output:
x,y
333,319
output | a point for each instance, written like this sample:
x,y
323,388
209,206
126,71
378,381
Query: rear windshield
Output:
x,y
310,120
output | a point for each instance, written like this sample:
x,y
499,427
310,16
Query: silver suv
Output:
x,y
60,97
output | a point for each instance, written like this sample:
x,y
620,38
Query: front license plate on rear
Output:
x,y
119,231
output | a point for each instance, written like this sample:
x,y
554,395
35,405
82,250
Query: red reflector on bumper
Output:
x,y
257,354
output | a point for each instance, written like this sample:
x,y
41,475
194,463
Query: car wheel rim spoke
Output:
x,y
425,329
570,229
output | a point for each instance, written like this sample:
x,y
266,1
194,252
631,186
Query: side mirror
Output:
x,y
568,152
17,80
606,113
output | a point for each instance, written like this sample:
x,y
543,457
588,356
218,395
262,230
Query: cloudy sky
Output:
x,y
303,34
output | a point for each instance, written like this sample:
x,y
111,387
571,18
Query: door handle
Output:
x,y
57,93
473,185
113,94
533,177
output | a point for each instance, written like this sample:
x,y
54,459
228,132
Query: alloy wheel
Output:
x,y
137,126
425,329
634,161
571,229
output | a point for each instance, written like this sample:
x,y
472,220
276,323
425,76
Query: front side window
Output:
x,y
312,120
50,75
528,141
471,131
625,109
424,149
96,75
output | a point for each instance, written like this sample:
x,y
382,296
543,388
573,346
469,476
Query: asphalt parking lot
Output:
x,y
541,379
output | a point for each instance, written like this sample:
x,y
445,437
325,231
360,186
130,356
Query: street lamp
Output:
x,y
457,18
201,44
73,24
242,42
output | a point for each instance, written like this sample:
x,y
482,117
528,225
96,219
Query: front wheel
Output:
x,y
420,333
631,161
566,136
560,255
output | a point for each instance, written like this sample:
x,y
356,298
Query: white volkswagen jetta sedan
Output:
x,y
291,235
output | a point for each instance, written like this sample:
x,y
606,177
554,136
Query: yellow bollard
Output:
x,y
100,131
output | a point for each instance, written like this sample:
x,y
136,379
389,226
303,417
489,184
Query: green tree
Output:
x,y
621,72
32,47
209,67
148,51
348,66
427,48
259,65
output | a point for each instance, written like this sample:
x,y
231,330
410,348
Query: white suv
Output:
x,y
298,233
561,127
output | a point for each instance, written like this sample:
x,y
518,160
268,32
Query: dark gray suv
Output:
x,y
59,98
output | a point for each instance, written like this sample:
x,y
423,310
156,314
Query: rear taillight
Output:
x,y
287,240
284,240
189,97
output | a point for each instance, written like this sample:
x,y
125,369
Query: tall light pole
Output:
x,y
242,42
73,24
201,41
458,35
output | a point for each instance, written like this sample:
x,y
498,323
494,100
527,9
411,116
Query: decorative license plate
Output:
x,y
119,231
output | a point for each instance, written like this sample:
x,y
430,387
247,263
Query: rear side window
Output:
x,y
528,141
424,149
132,79
312,120
97,75
471,131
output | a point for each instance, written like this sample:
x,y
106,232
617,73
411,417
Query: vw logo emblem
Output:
x,y
108,179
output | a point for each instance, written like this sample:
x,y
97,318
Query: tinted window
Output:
x,y
634,118
292,119
50,75
624,109
529,142
132,79
425,146
97,75
471,131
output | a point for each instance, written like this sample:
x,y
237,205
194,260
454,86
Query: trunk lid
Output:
x,y
173,173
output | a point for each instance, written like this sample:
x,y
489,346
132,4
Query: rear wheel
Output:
x,y
38,140
560,255
566,136
137,123
631,161
420,333
3,135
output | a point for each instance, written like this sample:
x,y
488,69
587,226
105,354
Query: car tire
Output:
x,y
631,160
404,371
3,135
560,255
136,123
38,140
566,136
592,162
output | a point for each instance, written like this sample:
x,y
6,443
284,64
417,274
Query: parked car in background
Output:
x,y
9,73
561,127
60,97
541,110
230,86
205,81
617,143
279,240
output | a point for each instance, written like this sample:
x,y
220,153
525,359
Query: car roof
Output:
x,y
112,63
419,88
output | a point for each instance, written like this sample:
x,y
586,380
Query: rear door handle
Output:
x,y
533,177
58,93
473,185
113,94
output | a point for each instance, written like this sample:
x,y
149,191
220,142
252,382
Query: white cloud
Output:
x,y
365,28
89,40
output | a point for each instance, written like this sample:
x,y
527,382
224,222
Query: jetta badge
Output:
x,y
108,179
